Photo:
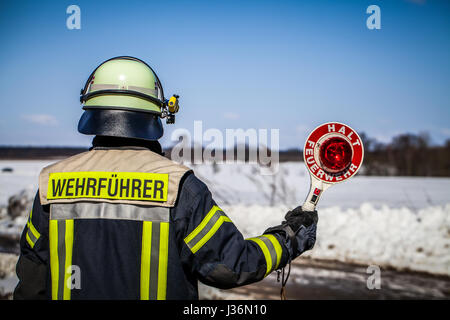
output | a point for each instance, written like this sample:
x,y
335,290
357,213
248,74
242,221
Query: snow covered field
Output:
x,y
233,184
240,183
24,176
398,222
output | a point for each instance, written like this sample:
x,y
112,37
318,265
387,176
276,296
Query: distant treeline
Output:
x,y
37,153
405,155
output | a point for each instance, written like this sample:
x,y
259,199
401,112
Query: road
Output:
x,y
319,279
313,279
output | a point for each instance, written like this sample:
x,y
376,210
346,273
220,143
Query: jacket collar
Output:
x,y
101,142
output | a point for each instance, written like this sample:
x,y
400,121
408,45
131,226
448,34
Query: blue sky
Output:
x,y
287,65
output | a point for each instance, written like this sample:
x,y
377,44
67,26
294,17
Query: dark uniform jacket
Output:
x,y
127,223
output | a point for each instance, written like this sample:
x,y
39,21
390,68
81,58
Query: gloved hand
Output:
x,y
299,230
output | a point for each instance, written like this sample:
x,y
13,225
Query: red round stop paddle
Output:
x,y
333,153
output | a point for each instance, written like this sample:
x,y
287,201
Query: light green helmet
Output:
x,y
124,97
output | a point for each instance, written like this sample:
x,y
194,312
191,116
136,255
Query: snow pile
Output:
x,y
388,237
395,237
14,217
19,205
8,279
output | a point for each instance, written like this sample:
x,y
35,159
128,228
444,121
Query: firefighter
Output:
x,y
121,221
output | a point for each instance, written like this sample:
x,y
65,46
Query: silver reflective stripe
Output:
x,y
154,261
103,210
273,253
207,228
151,92
32,237
97,87
61,258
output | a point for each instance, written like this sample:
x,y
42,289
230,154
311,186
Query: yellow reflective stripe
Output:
x,y
163,260
142,186
266,253
210,233
206,229
30,242
33,230
61,247
68,264
202,224
32,234
54,265
145,259
154,260
276,246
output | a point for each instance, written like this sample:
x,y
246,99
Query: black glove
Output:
x,y
297,217
299,230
